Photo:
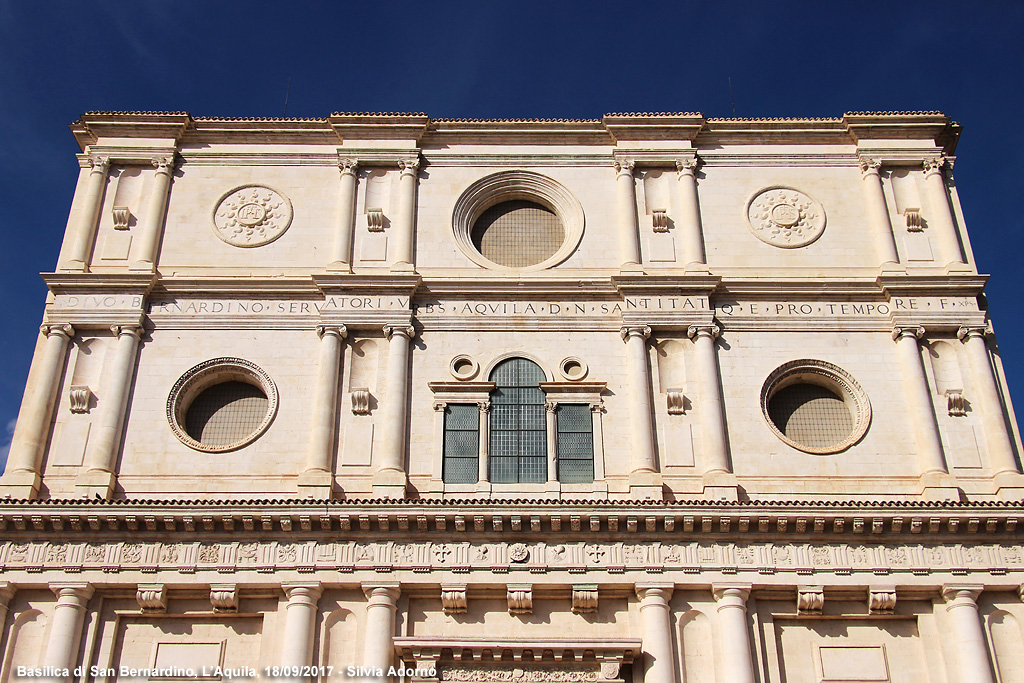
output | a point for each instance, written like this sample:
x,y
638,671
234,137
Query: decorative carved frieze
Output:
x,y
224,597
520,598
584,598
152,597
453,598
810,599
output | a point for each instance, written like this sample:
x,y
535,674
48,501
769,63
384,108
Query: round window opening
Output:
x,y
518,233
221,405
815,406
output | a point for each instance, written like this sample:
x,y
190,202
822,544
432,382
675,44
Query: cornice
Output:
x,y
631,285
94,125
495,285
76,283
191,286
344,283
920,285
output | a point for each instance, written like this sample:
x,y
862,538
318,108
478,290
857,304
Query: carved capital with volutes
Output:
x,y
339,331
348,166
407,331
64,330
627,331
968,331
624,167
687,167
410,167
484,406
550,406
696,331
869,166
129,330
164,165
99,164
934,164
915,331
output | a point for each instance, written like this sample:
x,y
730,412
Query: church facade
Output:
x,y
651,398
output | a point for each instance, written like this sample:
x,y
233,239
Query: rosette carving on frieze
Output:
x,y
784,217
251,216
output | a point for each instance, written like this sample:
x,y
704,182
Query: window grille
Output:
x,y
811,415
226,413
518,233
575,444
518,435
461,455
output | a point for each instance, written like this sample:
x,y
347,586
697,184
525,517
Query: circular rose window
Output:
x,y
221,404
815,406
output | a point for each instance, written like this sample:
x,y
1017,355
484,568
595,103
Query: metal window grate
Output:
x,y
460,460
575,444
811,415
518,438
518,233
226,413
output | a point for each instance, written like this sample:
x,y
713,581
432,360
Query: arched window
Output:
x,y
518,432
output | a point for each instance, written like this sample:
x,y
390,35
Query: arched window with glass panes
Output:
x,y
517,443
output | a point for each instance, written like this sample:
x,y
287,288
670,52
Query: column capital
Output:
x,y
731,592
407,331
655,592
63,330
164,165
550,406
439,406
968,331
934,164
687,166
129,330
624,167
98,164
961,595
382,593
75,594
915,331
712,331
305,592
410,167
339,331
628,331
348,166
7,591
869,166
484,406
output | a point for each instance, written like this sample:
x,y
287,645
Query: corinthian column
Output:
x,y
941,217
379,644
317,480
878,212
22,478
733,633
642,477
404,225
919,401
100,459
300,616
689,211
153,221
629,229
656,630
341,257
712,418
66,627
990,406
389,477
968,636
84,230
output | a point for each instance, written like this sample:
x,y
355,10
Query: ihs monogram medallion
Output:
x,y
251,216
787,218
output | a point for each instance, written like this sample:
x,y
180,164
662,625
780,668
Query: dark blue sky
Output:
x,y
498,59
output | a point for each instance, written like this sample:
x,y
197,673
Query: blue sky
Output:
x,y
498,59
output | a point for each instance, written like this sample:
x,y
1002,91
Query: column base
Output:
x,y
892,268
631,269
1010,486
74,265
339,267
697,267
141,267
646,485
958,268
403,267
938,486
21,484
389,484
721,485
317,484
95,484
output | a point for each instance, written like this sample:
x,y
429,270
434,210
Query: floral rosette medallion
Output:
x,y
784,217
251,216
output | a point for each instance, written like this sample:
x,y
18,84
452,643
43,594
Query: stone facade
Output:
x,y
759,428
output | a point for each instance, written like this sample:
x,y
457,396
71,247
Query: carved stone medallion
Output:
x,y
251,216
783,217
518,552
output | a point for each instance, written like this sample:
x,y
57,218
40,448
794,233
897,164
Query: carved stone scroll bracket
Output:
x,y
584,599
659,218
956,404
152,597
1020,592
810,599
375,220
361,401
224,597
80,396
520,598
676,402
122,217
453,598
882,599
915,223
